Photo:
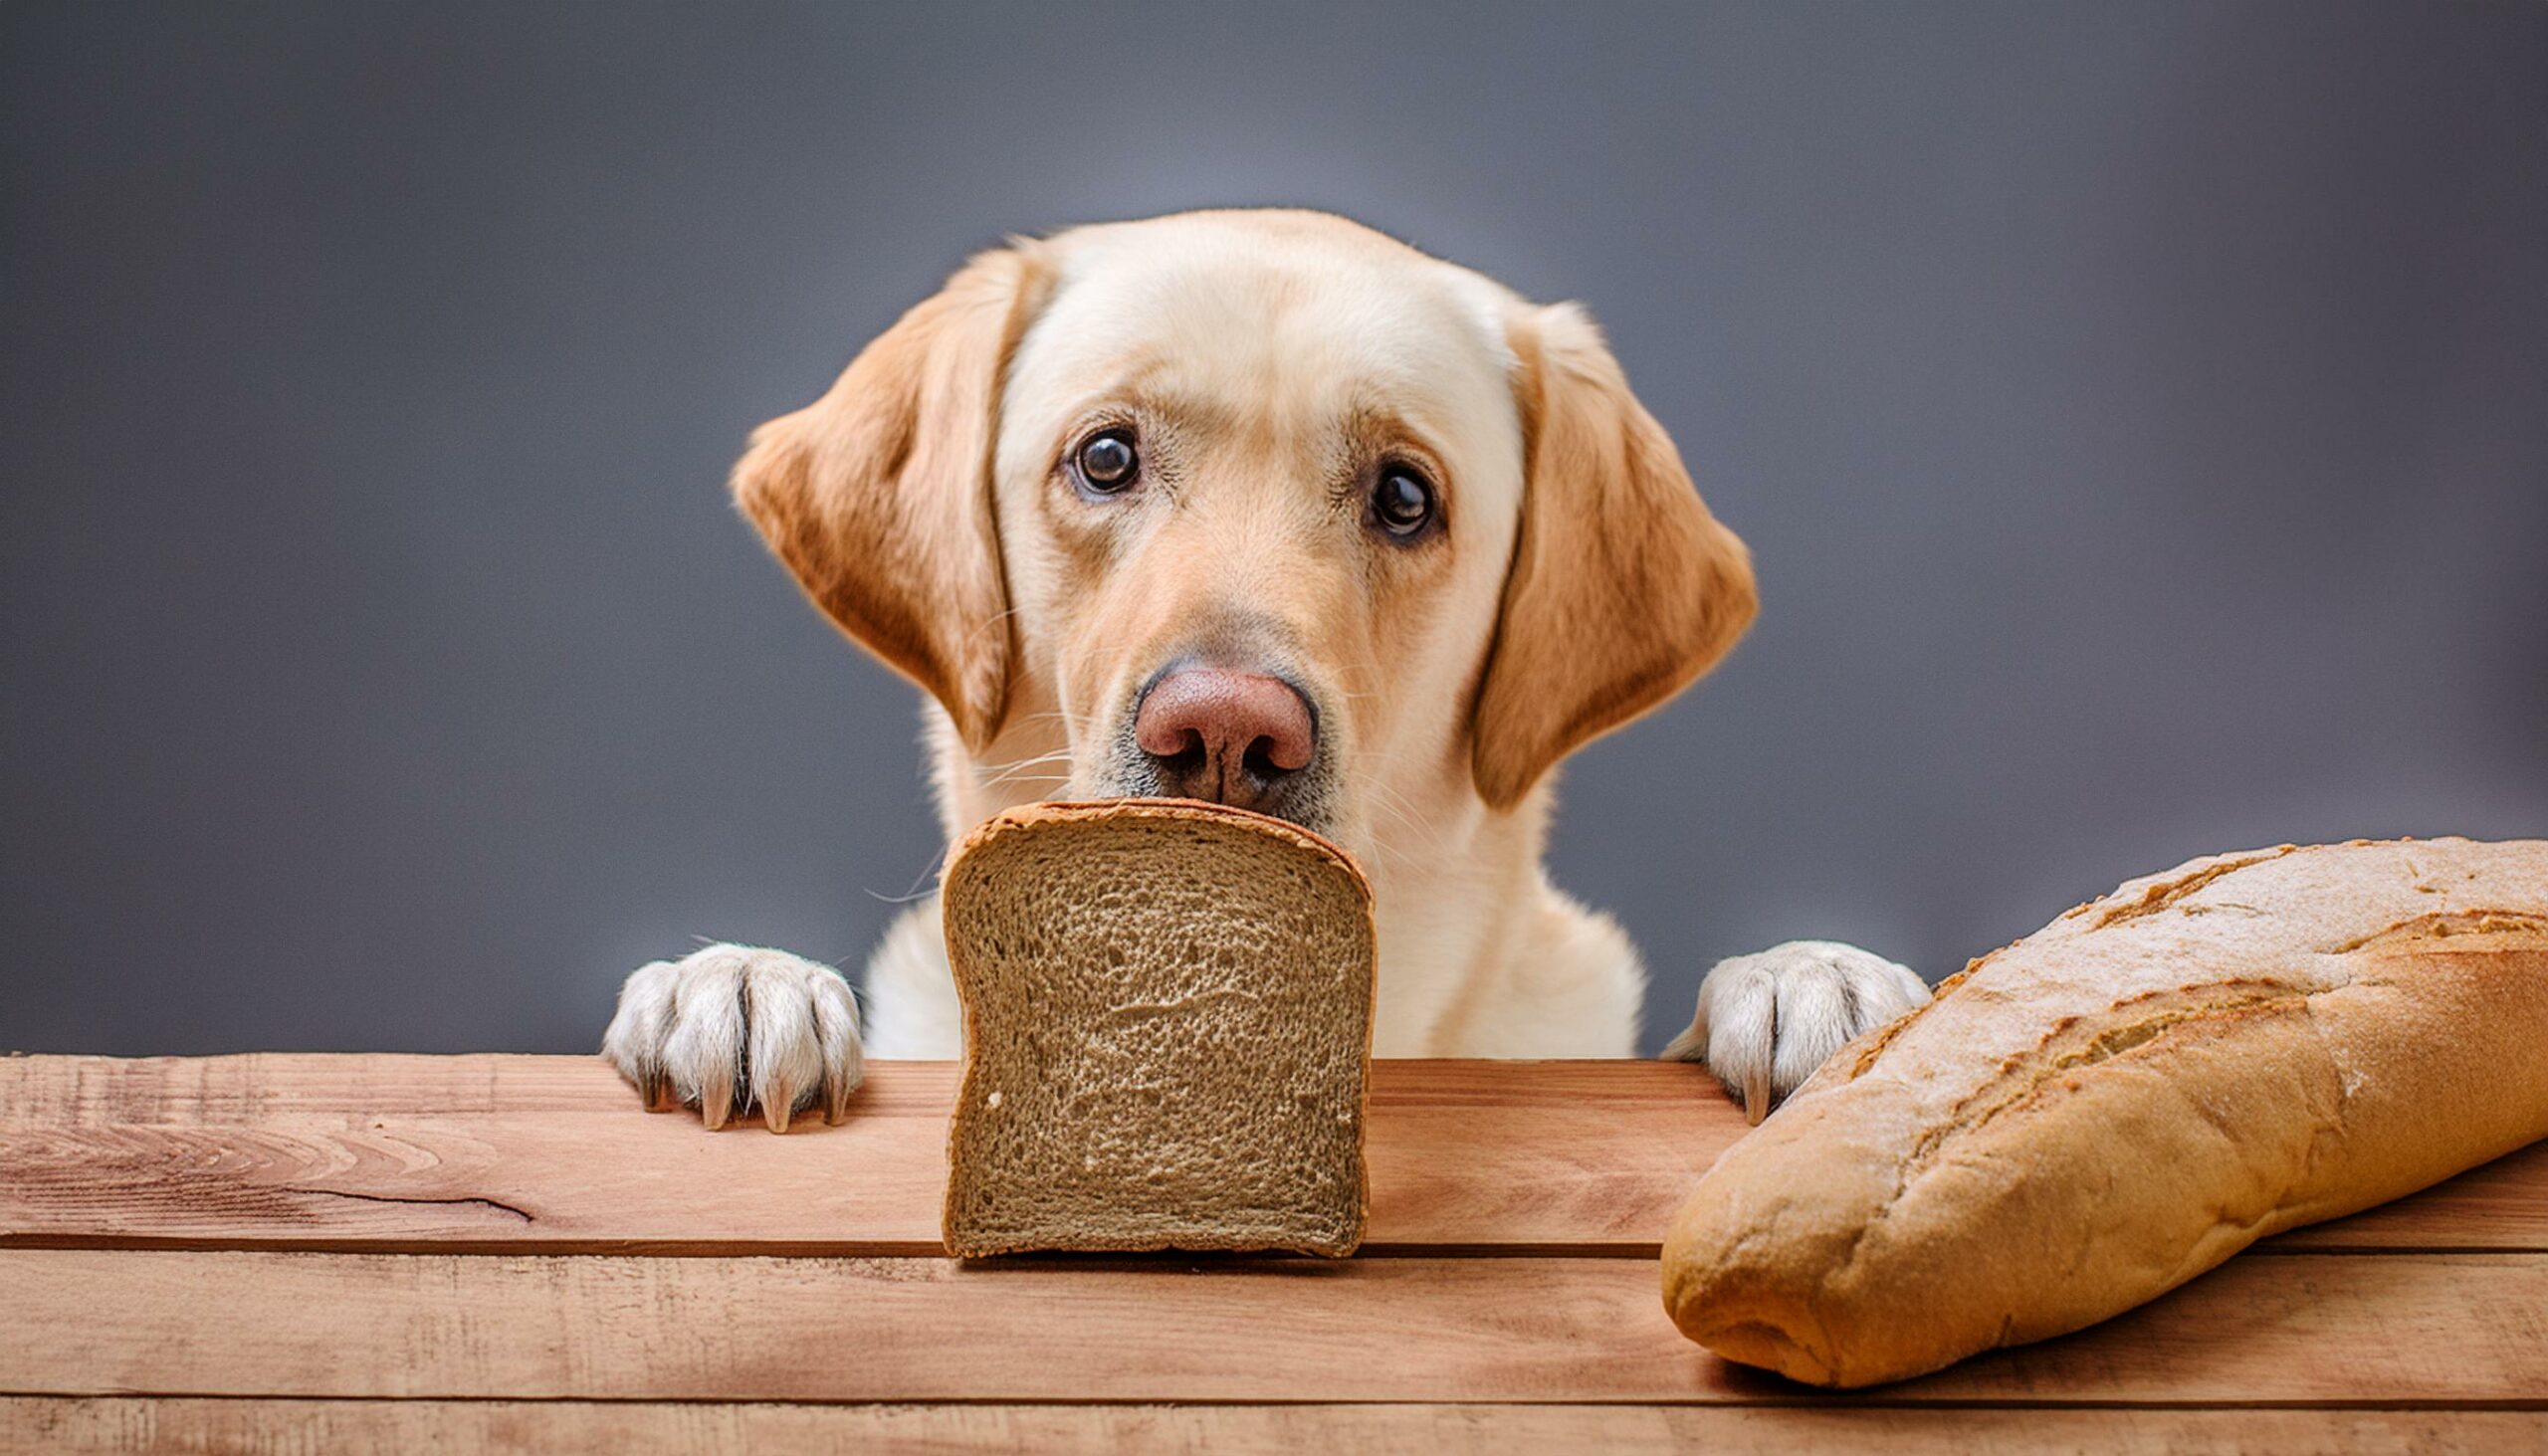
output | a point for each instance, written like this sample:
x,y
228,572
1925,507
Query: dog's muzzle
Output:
x,y
1248,740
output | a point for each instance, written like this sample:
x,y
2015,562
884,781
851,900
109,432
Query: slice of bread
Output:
x,y
1167,1028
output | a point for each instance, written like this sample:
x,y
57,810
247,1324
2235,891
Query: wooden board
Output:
x,y
2335,1329
630,1428
547,1155
293,1253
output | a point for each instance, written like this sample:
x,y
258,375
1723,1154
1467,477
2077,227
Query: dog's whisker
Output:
x,y
1015,765
996,619
1054,779
1032,768
1431,839
1397,806
915,893
995,769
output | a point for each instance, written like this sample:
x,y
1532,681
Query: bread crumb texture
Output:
x,y
1167,1024
2090,1117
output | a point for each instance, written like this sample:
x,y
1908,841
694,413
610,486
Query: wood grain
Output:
x,y
551,1154
2333,1328
183,1427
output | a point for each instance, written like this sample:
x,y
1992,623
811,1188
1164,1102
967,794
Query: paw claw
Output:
x,y
1765,1022
716,1102
730,1028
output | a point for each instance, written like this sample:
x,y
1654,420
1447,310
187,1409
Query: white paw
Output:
x,y
727,1028
1766,1021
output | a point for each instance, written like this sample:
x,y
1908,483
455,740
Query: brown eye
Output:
x,y
1402,502
1107,463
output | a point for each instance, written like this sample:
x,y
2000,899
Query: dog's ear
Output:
x,y
878,496
1622,588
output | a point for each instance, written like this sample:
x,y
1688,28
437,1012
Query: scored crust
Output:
x,y
2091,1116
1108,943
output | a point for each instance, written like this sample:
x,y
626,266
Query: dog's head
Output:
x,y
1258,507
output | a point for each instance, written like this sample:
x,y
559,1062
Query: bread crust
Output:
x,y
1069,811
965,1242
2089,1117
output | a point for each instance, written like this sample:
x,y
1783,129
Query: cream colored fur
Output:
x,y
1267,357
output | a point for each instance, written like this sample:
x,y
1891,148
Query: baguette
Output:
x,y
1168,1028
2121,1101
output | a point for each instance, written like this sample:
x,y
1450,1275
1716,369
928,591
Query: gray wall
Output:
x,y
2140,414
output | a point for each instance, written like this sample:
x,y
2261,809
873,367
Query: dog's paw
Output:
x,y
1766,1021
727,1028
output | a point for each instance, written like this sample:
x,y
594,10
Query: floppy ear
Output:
x,y
878,496
1623,588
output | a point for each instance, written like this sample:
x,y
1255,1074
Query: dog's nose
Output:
x,y
1230,737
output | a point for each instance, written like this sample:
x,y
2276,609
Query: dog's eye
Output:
x,y
1402,502
1107,463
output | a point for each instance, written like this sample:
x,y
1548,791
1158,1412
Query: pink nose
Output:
x,y
1232,736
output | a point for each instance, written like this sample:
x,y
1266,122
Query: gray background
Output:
x,y
2140,414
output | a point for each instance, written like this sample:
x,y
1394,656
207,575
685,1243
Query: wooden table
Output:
x,y
341,1252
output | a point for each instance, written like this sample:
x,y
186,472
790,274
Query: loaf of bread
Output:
x,y
2123,1100
1167,1025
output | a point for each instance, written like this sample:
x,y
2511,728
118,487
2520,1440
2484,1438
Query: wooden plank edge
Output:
x,y
749,1248
1803,1399
568,1247
1809,1402
2444,1335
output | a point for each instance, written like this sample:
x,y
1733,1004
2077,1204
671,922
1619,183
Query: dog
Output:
x,y
1269,508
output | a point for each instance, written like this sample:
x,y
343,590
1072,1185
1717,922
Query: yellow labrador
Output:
x,y
1266,508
